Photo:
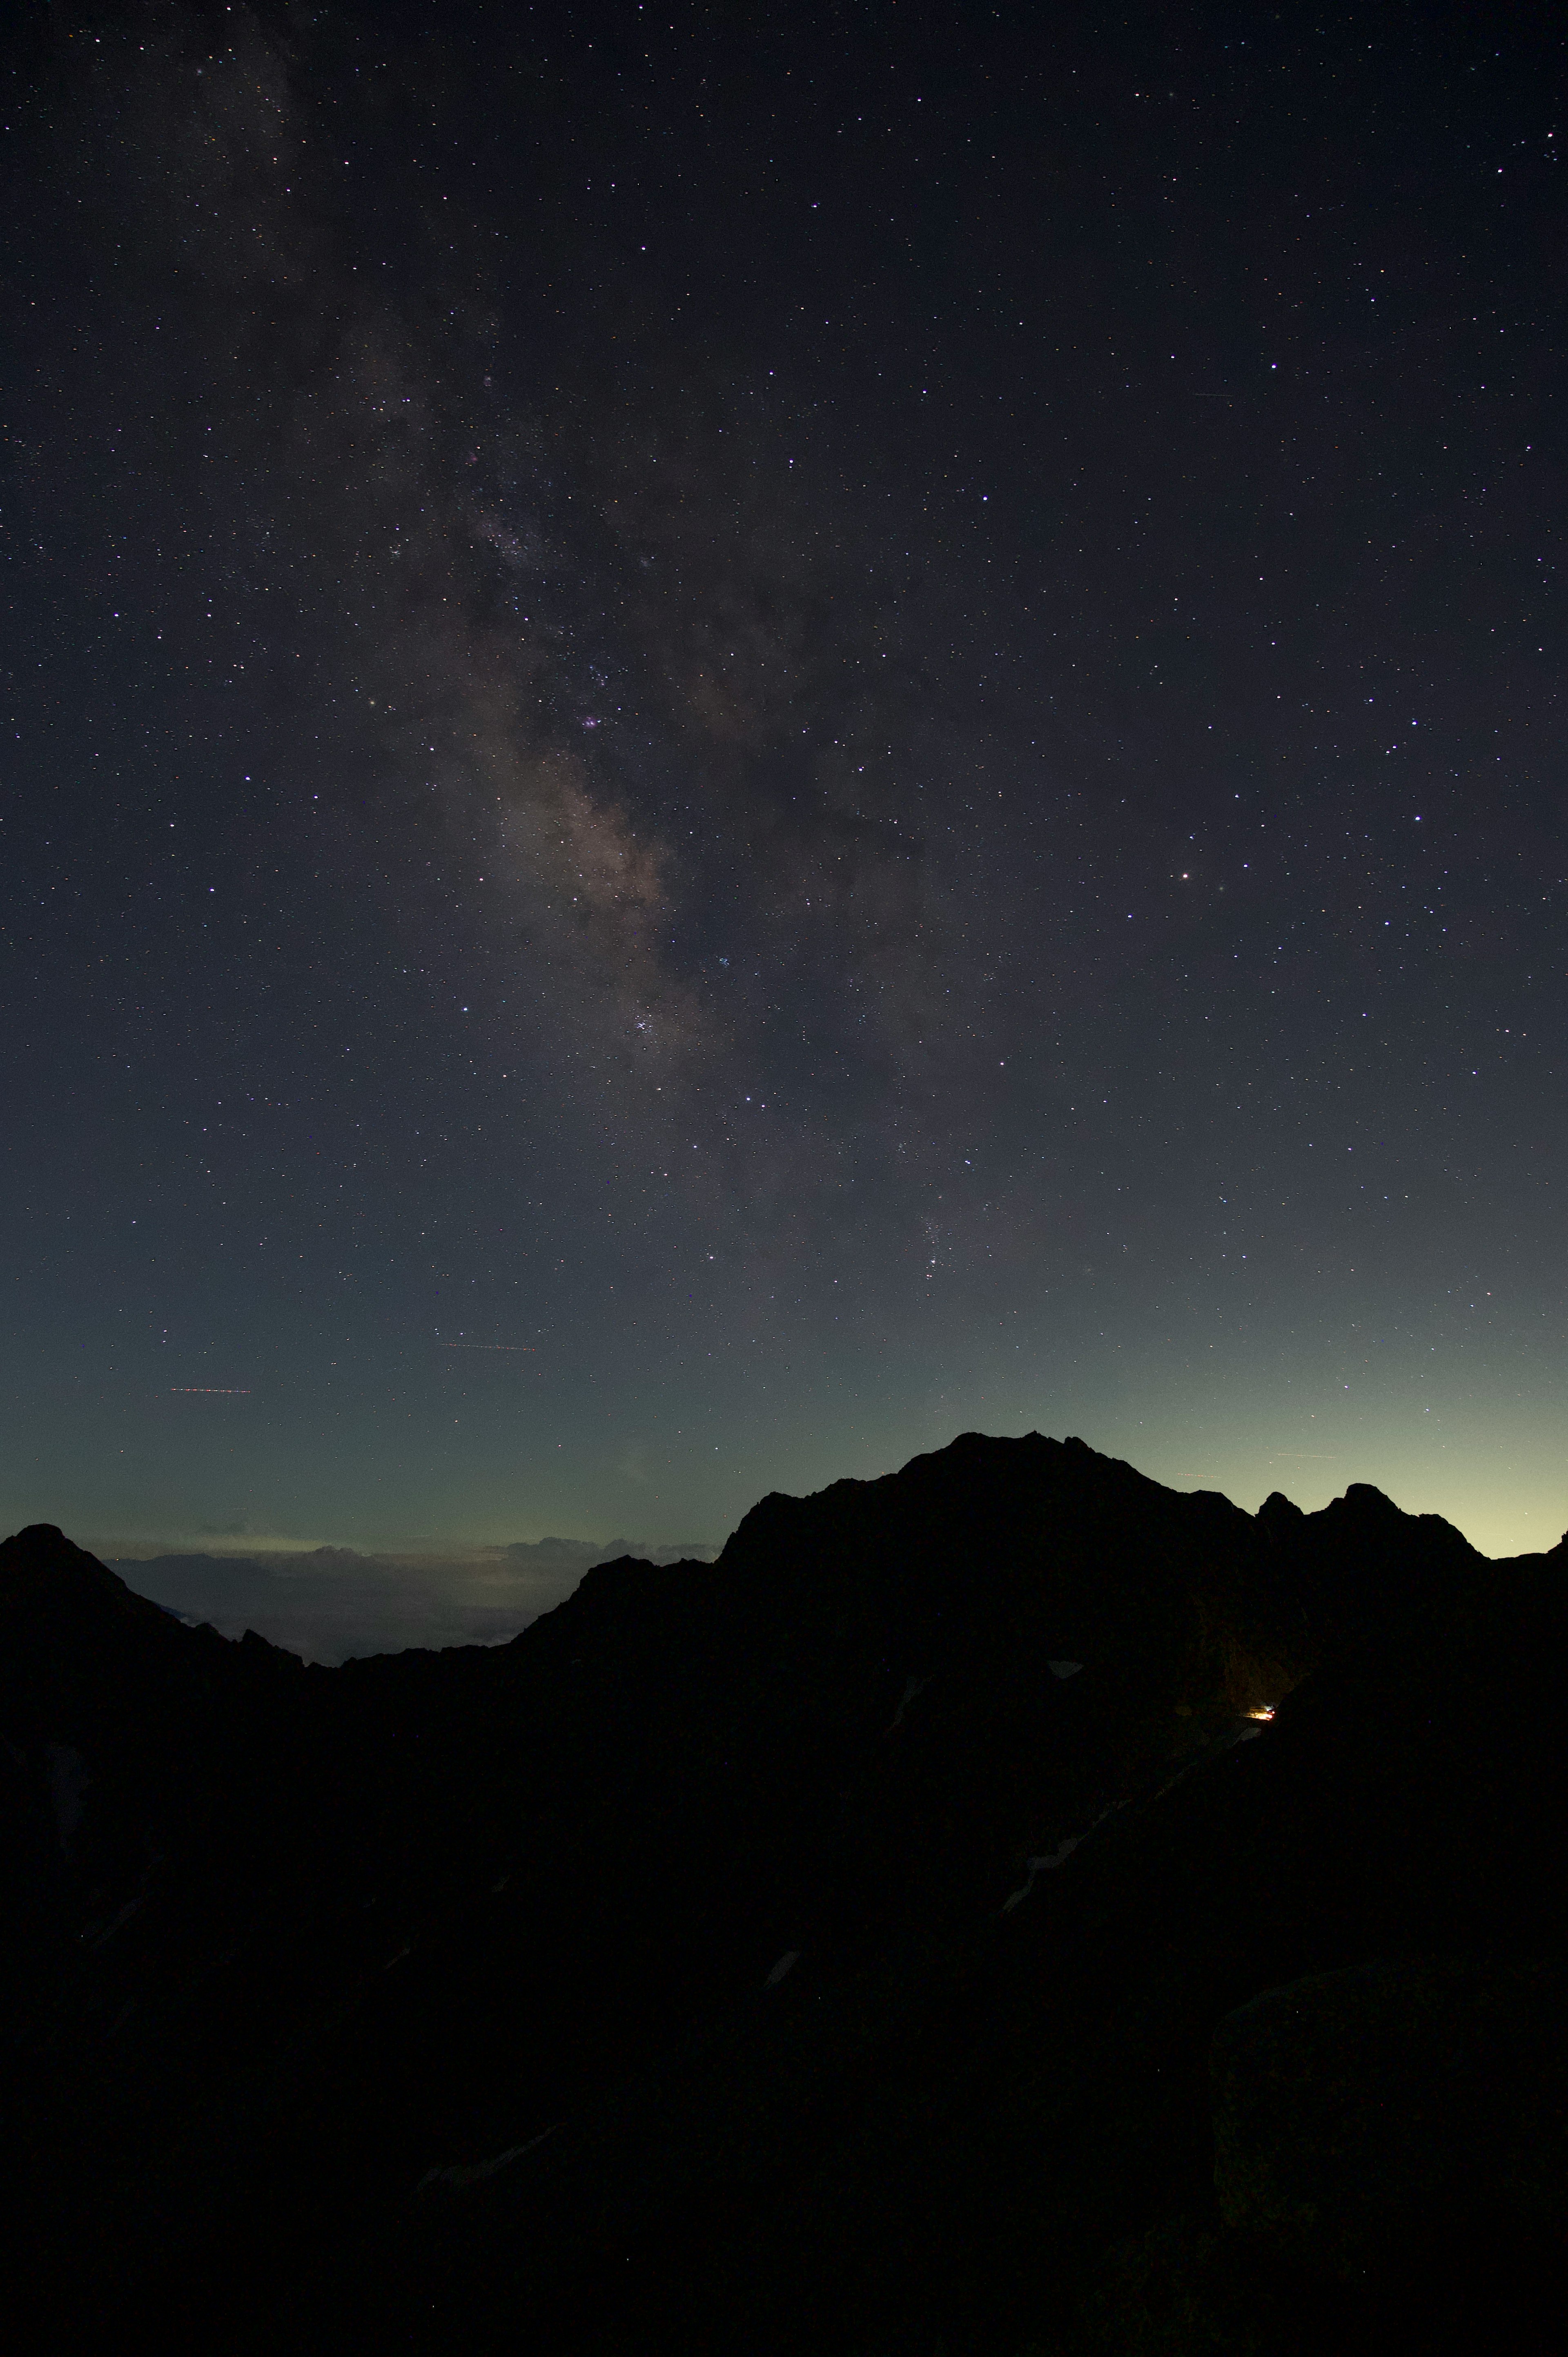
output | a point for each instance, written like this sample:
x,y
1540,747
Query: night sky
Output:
x,y
733,738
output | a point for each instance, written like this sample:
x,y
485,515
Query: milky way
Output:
x,y
853,734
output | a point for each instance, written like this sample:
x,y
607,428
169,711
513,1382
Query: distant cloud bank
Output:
x,y
334,1603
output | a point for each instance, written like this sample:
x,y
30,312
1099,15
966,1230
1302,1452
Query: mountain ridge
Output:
x,y
412,1966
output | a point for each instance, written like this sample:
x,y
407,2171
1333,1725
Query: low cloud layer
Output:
x,y
333,1604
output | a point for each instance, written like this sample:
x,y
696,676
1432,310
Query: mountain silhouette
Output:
x,y
1006,1906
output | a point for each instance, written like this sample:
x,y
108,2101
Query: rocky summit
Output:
x,y
1007,1907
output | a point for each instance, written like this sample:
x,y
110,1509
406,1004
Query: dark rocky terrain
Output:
x,y
906,1934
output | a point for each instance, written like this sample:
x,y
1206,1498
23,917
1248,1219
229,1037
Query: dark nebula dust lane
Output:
x,y
851,725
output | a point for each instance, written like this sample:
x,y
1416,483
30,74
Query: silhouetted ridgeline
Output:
x,y
886,1938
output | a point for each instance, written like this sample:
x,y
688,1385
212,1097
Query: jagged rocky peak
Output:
x,y
979,1479
42,1571
1368,1508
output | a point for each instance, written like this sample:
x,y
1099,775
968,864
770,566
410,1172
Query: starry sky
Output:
x,y
736,737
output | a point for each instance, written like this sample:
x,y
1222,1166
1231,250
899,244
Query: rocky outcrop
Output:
x,y
1349,2106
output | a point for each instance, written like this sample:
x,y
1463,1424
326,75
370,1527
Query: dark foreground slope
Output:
x,y
662,1979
